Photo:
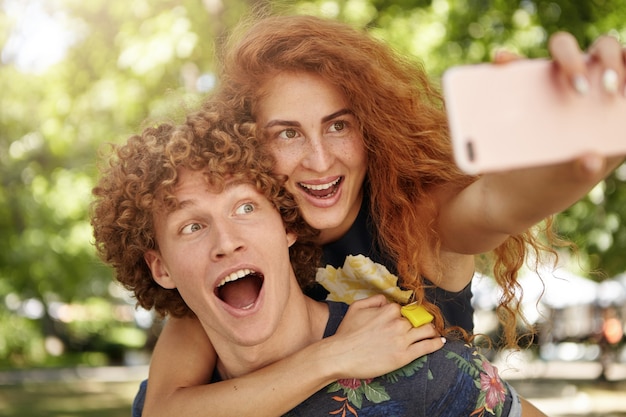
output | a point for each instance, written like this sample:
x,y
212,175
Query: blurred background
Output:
x,y
76,75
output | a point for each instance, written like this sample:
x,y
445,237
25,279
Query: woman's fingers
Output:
x,y
375,339
567,54
426,346
606,51
609,53
377,300
503,56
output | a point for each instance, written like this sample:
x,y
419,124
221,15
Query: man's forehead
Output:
x,y
191,183
212,182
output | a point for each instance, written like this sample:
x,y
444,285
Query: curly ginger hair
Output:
x,y
138,182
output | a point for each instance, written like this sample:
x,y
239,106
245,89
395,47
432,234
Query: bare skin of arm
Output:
x,y
480,217
184,359
502,204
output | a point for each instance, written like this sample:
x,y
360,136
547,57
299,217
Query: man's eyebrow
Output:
x,y
278,122
186,203
181,205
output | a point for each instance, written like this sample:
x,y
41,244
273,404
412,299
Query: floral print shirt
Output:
x,y
453,381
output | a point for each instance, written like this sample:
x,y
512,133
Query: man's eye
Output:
x,y
191,228
245,208
337,126
288,134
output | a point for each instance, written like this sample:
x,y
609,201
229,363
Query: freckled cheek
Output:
x,y
355,154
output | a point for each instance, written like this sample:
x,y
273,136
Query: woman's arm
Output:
x,y
372,340
498,205
483,215
183,357
480,217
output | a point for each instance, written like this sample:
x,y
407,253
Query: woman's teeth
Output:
x,y
319,187
321,190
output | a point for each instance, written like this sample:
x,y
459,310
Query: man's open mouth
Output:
x,y
240,289
321,190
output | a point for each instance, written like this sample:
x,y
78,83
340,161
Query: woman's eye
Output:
x,y
191,228
288,134
245,208
338,126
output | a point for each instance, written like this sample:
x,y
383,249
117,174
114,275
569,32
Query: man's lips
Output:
x,y
240,289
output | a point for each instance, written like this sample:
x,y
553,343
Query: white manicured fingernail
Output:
x,y
581,85
443,340
610,81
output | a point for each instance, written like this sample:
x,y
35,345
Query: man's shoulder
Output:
x,y
455,380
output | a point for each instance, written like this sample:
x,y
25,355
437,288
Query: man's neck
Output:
x,y
303,324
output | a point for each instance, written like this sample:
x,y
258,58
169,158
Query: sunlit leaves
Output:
x,y
158,40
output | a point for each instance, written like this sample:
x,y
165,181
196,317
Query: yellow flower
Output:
x,y
360,278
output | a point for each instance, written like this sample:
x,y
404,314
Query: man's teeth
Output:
x,y
318,187
234,276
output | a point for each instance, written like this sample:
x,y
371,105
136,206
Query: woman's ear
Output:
x,y
159,271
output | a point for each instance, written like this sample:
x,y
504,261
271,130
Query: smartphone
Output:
x,y
526,113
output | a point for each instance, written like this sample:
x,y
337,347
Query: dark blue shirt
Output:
x,y
456,307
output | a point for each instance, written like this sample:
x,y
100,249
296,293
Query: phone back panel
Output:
x,y
525,114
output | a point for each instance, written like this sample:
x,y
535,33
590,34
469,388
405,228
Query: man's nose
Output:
x,y
227,239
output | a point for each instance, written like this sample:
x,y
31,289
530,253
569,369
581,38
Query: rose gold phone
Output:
x,y
525,114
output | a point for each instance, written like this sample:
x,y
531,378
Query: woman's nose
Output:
x,y
319,156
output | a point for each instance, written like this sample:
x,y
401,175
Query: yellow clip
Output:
x,y
416,314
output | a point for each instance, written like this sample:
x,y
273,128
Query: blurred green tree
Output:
x,y
130,62
126,62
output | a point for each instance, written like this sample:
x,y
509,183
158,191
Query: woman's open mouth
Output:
x,y
322,190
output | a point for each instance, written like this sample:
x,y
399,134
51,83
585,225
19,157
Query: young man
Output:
x,y
193,221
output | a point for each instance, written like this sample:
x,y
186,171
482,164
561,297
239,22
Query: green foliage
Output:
x,y
21,342
130,61
133,62
596,225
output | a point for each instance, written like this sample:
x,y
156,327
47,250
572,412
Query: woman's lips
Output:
x,y
326,190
